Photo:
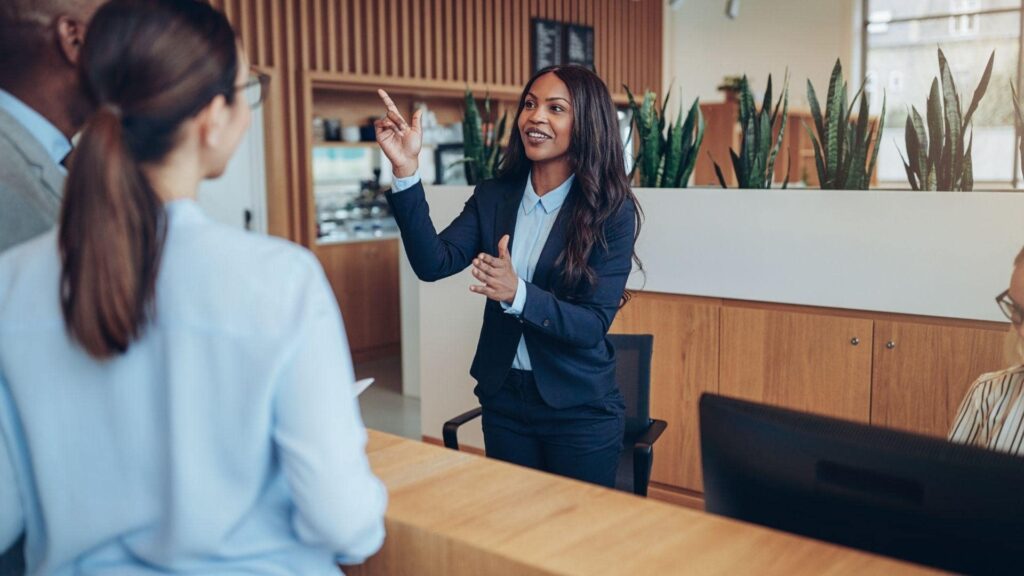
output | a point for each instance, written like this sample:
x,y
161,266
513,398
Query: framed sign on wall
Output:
x,y
579,45
555,43
548,43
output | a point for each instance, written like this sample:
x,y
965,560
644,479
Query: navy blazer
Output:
x,y
573,363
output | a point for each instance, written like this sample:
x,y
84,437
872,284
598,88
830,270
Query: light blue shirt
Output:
x,y
53,140
226,440
534,221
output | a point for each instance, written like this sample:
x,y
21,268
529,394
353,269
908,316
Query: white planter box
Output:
x,y
932,254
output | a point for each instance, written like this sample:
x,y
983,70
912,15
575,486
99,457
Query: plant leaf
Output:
x,y
967,182
674,154
979,92
877,144
819,162
718,172
833,120
472,136
950,101
911,177
691,161
812,100
913,148
922,161
936,132
741,179
784,97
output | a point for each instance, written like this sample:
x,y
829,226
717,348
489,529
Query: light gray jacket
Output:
x,y
31,185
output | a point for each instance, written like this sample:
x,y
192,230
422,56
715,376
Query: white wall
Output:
x,y
702,45
440,325
243,185
933,254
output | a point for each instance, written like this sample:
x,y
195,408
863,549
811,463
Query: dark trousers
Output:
x,y
581,442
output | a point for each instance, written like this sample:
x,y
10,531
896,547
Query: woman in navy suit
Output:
x,y
551,245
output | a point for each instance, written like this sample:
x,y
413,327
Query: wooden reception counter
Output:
x,y
454,513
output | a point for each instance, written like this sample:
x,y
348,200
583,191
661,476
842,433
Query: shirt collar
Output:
x,y
549,202
184,211
55,143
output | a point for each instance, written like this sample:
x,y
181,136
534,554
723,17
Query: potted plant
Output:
x,y
665,161
937,156
842,143
481,143
754,166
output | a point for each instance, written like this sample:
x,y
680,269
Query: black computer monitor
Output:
x,y
912,497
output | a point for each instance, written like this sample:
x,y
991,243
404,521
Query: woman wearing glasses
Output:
x,y
175,395
992,413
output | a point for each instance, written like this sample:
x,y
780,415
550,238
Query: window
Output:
x,y
901,37
964,19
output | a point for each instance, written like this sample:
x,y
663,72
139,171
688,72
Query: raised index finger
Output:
x,y
391,105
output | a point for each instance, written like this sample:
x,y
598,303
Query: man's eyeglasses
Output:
x,y
255,89
1010,308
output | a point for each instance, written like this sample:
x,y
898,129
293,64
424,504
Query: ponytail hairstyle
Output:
x,y
148,66
601,187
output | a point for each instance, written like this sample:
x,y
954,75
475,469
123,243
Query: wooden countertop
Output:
x,y
455,513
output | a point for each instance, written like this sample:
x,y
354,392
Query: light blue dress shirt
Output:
x,y
534,221
227,440
53,140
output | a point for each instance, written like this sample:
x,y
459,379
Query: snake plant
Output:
x,y
481,151
665,161
754,166
842,143
938,157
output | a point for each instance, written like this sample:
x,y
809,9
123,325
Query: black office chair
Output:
x,y
633,374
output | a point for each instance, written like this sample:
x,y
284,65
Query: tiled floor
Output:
x,y
383,406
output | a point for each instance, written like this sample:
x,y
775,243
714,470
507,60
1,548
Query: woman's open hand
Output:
x,y
399,141
499,278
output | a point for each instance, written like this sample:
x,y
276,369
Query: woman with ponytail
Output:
x,y
175,395
550,242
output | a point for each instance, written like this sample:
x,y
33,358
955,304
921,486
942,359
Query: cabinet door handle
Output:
x,y
854,341
890,344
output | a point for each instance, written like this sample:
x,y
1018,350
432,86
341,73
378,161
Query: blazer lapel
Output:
x,y
554,245
508,211
33,153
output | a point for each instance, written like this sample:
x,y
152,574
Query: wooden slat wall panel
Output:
x,y
443,44
477,42
380,28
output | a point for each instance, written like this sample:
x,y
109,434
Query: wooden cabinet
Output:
x,y
364,276
922,372
808,362
684,365
896,371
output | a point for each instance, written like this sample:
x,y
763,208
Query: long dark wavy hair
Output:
x,y
601,187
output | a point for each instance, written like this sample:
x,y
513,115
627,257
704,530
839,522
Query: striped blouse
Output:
x,y
992,413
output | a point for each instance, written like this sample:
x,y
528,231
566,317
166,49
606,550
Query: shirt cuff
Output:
x,y
519,302
402,184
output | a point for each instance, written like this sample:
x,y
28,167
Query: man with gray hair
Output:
x,y
42,105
